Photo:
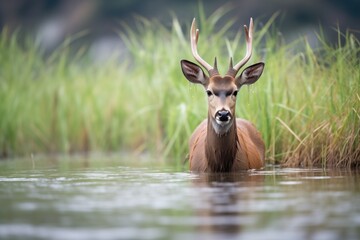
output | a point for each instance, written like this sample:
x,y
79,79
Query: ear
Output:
x,y
250,74
193,72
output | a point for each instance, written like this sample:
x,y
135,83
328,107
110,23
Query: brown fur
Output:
x,y
222,143
210,152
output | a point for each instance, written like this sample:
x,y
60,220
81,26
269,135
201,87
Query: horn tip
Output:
x,y
193,22
231,63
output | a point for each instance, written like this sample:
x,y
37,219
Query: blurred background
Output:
x,y
62,92
51,21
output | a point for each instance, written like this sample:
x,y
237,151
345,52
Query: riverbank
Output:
x,y
306,104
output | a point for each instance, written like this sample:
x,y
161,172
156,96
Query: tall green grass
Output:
x,y
306,104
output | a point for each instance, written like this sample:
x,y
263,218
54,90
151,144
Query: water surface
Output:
x,y
107,199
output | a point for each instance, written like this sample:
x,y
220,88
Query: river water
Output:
x,y
76,199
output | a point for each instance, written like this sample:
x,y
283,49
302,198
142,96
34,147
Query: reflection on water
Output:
x,y
112,201
281,203
222,205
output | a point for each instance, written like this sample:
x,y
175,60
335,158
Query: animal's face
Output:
x,y
221,92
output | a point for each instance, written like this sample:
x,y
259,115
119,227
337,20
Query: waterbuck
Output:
x,y
223,143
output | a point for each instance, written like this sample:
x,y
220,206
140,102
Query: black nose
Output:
x,y
223,115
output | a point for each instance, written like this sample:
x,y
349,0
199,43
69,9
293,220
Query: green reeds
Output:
x,y
306,104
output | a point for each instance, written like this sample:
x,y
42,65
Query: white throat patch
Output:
x,y
220,127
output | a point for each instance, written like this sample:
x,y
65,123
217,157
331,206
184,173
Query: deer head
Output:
x,y
221,91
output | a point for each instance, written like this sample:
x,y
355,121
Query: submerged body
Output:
x,y
241,148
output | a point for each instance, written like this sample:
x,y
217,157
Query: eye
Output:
x,y
209,93
235,93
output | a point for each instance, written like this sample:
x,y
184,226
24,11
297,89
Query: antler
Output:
x,y
248,35
194,36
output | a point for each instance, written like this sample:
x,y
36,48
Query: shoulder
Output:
x,y
199,131
248,129
244,124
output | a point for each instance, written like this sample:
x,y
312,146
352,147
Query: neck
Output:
x,y
220,150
